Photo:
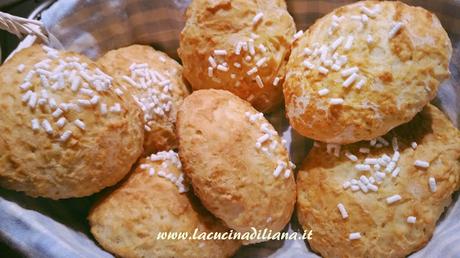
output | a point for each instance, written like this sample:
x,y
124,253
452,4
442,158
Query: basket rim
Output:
x,y
35,14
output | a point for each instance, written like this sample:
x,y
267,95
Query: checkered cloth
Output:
x,y
93,27
121,22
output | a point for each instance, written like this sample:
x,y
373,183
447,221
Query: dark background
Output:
x,y
22,8
8,43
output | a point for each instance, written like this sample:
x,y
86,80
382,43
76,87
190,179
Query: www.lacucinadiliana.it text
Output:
x,y
254,234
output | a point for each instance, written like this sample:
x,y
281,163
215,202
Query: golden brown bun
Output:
x,y
159,133
127,222
232,177
384,228
56,165
400,74
220,25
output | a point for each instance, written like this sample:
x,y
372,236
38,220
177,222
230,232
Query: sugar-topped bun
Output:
x,y
238,45
151,201
155,81
64,131
364,69
391,191
236,161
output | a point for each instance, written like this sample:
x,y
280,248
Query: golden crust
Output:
x,y
383,227
128,220
401,74
117,63
42,165
220,25
233,179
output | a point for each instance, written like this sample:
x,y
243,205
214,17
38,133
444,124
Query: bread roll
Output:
x,y
380,198
153,201
364,69
238,45
64,131
155,81
236,162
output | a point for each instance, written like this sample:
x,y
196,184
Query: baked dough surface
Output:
x,y
264,46
60,123
384,229
231,174
401,54
128,220
159,89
